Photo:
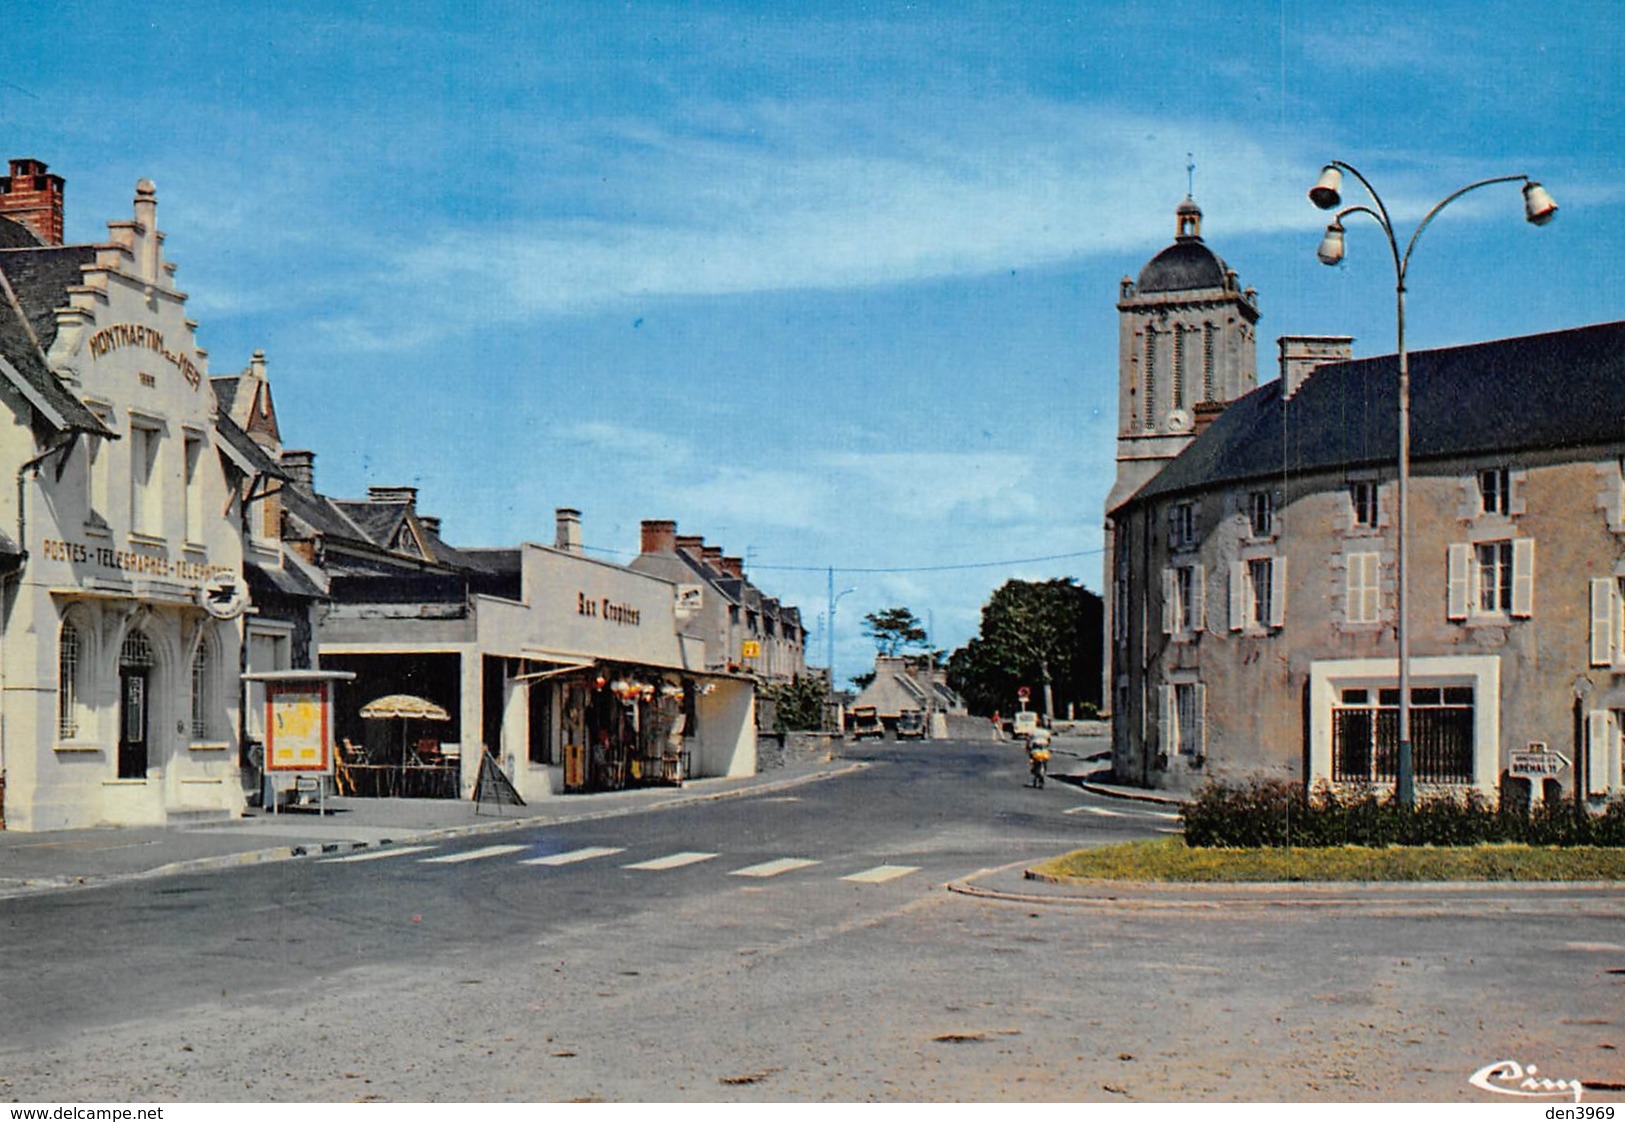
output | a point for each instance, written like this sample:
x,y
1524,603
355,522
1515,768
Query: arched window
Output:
x,y
67,678
136,652
201,691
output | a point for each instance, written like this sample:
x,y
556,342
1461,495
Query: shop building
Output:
x,y
123,539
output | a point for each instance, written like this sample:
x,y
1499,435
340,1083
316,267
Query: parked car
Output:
x,y
864,721
911,725
1023,724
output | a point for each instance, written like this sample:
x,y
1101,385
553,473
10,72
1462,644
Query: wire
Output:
x,y
896,568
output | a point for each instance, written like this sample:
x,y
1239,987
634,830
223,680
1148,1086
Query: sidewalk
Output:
x,y
36,862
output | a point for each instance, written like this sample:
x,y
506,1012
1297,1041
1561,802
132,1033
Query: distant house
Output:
x,y
904,682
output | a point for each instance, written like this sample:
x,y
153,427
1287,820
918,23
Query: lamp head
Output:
x,y
1331,246
1539,207
1327,193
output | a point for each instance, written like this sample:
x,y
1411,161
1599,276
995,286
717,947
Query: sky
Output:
x,y
830,284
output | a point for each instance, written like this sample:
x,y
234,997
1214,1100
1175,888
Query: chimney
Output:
x,y
659,536
568,535
33,198
300,466
690,543
149,241
430,522
1203,414
1302,354
734,567
407,495
712,556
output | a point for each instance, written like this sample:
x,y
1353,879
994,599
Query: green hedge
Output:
x,y
1273,813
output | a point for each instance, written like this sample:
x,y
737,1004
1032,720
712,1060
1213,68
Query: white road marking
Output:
x,y
378,854
882,873
1604,948
471,855
774,868
1100,810
673,861
575,855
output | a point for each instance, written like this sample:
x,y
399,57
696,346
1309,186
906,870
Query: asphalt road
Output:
x,y
793,946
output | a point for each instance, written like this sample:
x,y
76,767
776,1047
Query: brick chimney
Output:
x,y
567,535
300,466
712,556
1204,413
430,522
690,543
734,567
1302,354
407,495
32,197
659,536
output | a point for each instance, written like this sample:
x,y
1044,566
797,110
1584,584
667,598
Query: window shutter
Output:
x,y
1199,740
1602,621
1516,482
1169,587
1354,587
1277,591
1456,606
1602,752
1238,594
1523,577
1198,597
1165,697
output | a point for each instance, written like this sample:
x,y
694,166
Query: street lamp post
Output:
x,y
834,599
1326,194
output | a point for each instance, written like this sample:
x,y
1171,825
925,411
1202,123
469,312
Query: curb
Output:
x,y
294,852
1120,793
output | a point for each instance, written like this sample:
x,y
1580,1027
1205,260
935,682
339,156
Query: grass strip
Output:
x,y
1170,859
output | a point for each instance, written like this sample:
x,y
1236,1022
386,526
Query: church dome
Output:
x,y
1186,264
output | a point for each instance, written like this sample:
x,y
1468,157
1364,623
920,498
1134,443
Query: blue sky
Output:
x,y
830,284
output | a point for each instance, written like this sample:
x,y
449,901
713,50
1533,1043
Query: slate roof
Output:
x,y
14,235
1563,389
40,278
1186,264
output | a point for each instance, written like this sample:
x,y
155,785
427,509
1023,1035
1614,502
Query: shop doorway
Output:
x,y
134,675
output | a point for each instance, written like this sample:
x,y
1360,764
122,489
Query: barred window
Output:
x,y
67,692
200,692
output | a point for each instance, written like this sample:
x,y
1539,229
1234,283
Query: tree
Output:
x,y
797,704
1030,628
894,629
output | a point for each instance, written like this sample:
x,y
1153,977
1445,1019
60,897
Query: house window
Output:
x,y
1182,525
67,678
1185,715
1494,578
1363,600
146,493
1365,734
1607,621
1258,593
1182,599
1495,491
1261,513
1363,503
201,690
194,488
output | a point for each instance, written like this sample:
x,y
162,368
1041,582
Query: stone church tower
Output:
x,y
1186,348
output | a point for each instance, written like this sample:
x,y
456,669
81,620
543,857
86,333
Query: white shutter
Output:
x,y
1602,751
1165,695
1198,598
1602,621
1238,594
1170,589
1277,591
1199,740
1523,576
1456,606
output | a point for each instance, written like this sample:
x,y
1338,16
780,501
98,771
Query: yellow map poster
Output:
x,y
296,727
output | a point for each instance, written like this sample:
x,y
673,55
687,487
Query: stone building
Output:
x,y
124,587
1254,584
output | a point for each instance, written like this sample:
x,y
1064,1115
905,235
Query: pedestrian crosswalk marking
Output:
x,y
471,855
673,861
881,873
774,868
575,855
378,854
